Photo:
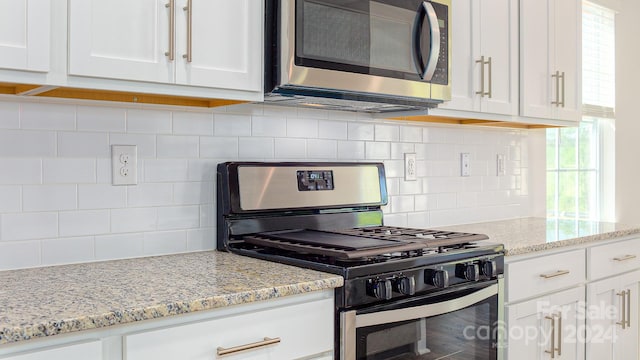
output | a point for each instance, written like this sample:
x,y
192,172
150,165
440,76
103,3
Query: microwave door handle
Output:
x,y
434,28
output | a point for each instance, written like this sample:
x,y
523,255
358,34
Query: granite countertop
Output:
x,y
531,234
54,300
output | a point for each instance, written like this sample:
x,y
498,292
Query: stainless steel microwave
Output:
x,y
363,55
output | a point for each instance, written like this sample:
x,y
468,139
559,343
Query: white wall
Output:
x,y
628,113
57,204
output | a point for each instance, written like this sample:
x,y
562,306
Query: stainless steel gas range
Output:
x,y
408,293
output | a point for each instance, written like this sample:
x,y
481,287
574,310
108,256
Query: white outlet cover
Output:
x,y
465,166
410,167
124,164
500,165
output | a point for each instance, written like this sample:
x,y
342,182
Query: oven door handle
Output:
x,y
427,68
418,312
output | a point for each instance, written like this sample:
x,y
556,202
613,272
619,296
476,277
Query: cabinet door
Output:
x,y
568,58
606,337
535,67
498,41
225,42
25,26
120,39
534,323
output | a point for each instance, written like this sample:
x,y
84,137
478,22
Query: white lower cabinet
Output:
x,y
86,351
613,322
547,327
292,332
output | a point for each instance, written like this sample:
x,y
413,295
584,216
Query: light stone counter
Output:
x,y
527,235
54,300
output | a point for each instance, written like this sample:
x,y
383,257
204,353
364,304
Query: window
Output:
x,y
580,160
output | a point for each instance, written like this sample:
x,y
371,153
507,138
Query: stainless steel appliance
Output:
x,y
408,293
363,55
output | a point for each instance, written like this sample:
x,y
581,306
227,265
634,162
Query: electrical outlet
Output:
x,y
500,165
410,167
465,166
124,164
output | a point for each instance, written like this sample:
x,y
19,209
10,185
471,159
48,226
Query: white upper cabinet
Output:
x,y
550,58
485,57
24,34
208,43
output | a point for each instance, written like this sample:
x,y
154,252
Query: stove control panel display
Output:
x,y
314,180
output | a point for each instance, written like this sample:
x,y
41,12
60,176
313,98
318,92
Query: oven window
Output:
x,y
466,334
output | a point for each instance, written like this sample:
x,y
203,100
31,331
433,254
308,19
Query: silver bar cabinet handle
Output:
x,y
623,322
553,336
481,62
624,258
563,89
628,308
258,344
559,334
172,29
557,77
189,10
555,274
490,92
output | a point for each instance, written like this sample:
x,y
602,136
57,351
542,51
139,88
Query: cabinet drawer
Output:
x,y
611,259
544,274
90,351
303,329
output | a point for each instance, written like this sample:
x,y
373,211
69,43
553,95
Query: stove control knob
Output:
x,y
437,278
405,285
381,289
469,271
490,268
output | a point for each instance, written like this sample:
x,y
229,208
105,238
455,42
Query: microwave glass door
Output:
x,y
384,38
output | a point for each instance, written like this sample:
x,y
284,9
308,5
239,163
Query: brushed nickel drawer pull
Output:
x,y
232,350
628,308
481,62
623,322
553,336
189,10
557,273
624,258
172,29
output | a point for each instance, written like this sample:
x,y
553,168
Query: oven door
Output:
x,y
463,324
375,46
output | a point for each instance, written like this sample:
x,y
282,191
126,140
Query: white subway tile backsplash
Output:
x,y
256,148
57,204
49,197
322,149
148,121
290,148
67,250
9,115
168,170
23,143
302,128
78,144
351,150
10,199
167,242
134,220
192,123
86,222
178,217
27,226
21,254
268,126
48,116
101,196
119,246
360,131
150,194
232,125
178,146
332,130
20,171
219,147
93,118
68,171
201,239
146,144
